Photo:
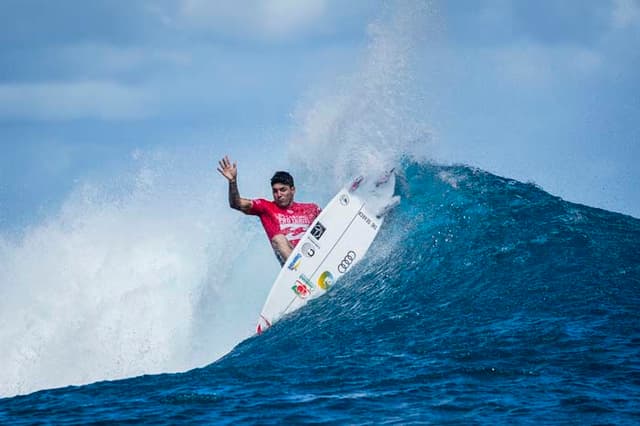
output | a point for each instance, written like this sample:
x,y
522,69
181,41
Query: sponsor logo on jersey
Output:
x,y
308,249
347,261
293,232
284,219
295,262
325,280
318,230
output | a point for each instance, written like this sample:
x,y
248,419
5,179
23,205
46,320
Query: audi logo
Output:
x,y
347,261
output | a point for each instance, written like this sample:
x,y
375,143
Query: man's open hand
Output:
x,y
228,169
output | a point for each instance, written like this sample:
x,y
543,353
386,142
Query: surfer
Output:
x,y
284,220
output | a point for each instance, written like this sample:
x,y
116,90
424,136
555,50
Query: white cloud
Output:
x,y
268,19
535,66
66,101
283,17
111,59
626,13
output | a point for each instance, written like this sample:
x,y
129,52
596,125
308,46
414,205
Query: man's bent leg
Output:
x,y
282,247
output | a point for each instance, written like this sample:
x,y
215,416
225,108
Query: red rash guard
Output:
x,y
292,222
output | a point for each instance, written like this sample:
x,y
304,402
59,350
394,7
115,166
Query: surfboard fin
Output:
x,y
384,178
395,200
356,183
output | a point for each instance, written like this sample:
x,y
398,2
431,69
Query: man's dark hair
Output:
x,y
282,177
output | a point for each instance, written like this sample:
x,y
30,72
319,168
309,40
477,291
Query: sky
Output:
x,y
541,91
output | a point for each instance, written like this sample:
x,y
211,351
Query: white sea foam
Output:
x,y
129,279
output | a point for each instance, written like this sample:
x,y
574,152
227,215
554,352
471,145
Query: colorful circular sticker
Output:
x,y
325,280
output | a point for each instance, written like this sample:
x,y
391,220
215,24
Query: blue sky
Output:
x,y
544,91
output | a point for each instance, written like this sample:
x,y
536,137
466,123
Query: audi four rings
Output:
x,y
346,261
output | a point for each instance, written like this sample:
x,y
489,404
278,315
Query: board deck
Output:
x,y
336,240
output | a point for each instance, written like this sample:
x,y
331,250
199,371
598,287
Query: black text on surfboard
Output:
x,y
367,220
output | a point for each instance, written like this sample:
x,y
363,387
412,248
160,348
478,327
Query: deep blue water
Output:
x,y
504,305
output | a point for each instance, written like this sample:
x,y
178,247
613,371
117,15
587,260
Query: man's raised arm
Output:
x,y
230,171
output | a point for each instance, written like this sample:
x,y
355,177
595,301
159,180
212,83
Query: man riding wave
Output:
x,y
283,219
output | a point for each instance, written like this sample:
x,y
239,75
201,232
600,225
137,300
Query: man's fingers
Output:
x,y
226,168
225,162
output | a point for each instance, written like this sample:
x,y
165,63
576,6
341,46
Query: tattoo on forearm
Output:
x,y
234,194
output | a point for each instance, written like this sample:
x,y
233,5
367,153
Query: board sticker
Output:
x,y
301,289
318,230
325,280
304,279
295,263
346,261
308,249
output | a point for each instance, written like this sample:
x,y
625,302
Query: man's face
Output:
x,y
283,194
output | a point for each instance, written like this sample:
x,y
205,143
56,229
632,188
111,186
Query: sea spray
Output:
x,y
367,121
132,276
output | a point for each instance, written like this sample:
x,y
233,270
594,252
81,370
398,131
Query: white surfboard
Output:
x,y
336,240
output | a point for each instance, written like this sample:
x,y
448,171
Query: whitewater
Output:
x,y
483,300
